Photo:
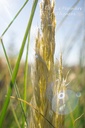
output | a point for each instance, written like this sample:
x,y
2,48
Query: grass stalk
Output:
x,y
15,85
15,116
14,18
26,72
15,71
43,74
33,107
25,80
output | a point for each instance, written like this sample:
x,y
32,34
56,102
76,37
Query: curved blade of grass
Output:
x,y
15,71
15,117
25,79
33,108
9,66
78,118
14,18
69,11
15,85
26,72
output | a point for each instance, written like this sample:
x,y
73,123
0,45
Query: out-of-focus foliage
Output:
x,y
76,75
4,83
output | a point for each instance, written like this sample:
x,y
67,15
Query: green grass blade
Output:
x,y
14,18
15,85
25,78
15,117
26,71
15,71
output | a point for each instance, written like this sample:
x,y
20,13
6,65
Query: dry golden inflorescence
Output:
x,y
44,73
